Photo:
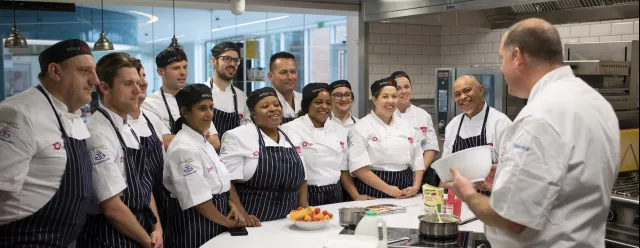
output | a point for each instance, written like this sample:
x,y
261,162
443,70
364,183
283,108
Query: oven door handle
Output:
x,y
620,243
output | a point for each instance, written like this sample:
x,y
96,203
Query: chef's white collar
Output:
x,y
307,122
193,134
59,105
215,86
550,77
376,118
479,115
333,116
117,119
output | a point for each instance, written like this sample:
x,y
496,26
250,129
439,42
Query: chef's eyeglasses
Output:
x,y
228,59
339,96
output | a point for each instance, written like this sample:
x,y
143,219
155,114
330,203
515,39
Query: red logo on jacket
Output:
x,y
490,144
374,139
342,144
57,146
410,140
256,153
298,149
423,129
304,143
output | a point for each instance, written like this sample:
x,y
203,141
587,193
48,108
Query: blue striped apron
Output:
x,y
401,179
327,194
155,160
272,192
59,221
224,121
98,232
191,229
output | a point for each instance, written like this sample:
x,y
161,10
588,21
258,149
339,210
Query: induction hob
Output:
x,y
416,240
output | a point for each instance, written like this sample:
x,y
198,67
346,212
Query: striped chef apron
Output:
x,y
224,121
172,122
480,140
155,161
327,194
98,232
59,221
401,179
190,228
272,192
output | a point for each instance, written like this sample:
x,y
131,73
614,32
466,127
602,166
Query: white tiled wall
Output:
x,y
419,50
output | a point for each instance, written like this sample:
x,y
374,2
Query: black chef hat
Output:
x,y
186,97
62,51
379,84
257,95
398,74
338,84
170,55
223,47
311,90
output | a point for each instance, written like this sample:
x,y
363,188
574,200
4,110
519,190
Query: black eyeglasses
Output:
x,y
339,96
228,59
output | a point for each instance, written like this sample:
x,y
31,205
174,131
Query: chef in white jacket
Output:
x,y
384,151
265,163
172,68
478,125
421,121
558,160
196,177
324,145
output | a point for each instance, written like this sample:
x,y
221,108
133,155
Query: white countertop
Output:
x,y
283,234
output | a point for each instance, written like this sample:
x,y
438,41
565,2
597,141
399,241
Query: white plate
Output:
x,y
310,225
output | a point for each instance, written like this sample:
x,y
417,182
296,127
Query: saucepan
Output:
x,y
349,217
443,228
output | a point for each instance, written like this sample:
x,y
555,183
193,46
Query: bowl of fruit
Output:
x,y
310,218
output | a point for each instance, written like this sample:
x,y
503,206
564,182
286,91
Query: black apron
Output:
x,y
59,221
155,161
224,121
272,192
98,232
172,122
191,229
327,194
401,179
479,140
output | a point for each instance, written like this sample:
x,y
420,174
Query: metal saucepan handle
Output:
x,y
398,240
467,221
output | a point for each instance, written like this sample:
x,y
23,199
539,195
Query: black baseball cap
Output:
x,y
192,94
311,90
62,51
398,74
223,47
338,84
259,94
170,55
379,84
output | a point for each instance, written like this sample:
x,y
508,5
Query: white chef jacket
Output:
x,y
142,129
558,164
193,172
347,123
154,104
107,156
32,153
223,100
287,110
388,148
497,122
421,121
324,149
239,149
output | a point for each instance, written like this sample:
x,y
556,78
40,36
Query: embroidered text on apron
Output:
x,y
322,195
480,140
401,179
59,221
98,232
224,121
172,122
272,192
190,228
155,161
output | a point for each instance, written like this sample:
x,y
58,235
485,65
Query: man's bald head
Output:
x,y
468,94
468,79
536,38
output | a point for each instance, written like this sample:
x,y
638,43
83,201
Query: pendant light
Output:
x,y
174,41
103,44
15,40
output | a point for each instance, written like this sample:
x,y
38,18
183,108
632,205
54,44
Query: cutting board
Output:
x,y
629,150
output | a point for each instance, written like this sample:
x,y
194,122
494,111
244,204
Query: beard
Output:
x,y
223,75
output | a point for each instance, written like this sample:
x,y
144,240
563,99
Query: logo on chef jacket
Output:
x,y
342,144
209,169
223,150
423,129
99,156
374,139
4,133
490,144
256,153
521,147
188,170
298,149
240,116
410,140
57,146
304,143
121,159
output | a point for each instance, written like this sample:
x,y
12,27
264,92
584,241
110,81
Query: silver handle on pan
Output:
x,y
398,240
620,243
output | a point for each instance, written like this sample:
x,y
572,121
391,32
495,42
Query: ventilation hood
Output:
x,y
496,13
